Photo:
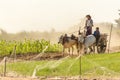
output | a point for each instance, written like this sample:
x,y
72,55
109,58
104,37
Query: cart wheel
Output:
x,y
101,48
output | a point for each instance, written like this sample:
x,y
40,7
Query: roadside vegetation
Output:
x,y
91,65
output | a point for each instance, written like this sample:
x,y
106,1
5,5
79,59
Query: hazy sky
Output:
x,y
18,15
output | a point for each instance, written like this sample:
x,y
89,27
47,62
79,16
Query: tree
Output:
x,y
118,20
53,30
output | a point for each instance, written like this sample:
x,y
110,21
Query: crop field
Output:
x,y
27,47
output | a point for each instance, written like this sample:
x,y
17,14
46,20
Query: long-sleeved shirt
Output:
x,y
89,23
96,33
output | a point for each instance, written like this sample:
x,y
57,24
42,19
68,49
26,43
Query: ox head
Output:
x,y
81,38
61,39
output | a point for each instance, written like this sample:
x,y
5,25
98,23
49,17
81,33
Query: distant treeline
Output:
x,y
54,35
51,36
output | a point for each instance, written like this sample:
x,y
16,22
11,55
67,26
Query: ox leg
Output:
x,y
91,50
69,51
82,51
78,50
94,48
85,50
63,51
72,50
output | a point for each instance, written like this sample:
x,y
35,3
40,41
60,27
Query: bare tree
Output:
x,y
118,20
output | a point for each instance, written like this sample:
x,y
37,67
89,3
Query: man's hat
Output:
x,y
97,27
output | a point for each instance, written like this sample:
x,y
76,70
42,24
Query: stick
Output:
x,y
15,53
80,72
110,38
5,67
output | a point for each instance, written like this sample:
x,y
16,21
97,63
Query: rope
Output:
x,y
75,31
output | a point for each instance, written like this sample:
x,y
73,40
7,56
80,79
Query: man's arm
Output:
x,y
91,21
85,24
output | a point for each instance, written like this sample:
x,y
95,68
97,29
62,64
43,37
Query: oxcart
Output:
x,y
102,44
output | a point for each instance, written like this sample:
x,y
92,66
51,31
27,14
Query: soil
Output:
x,y
40,56
60,78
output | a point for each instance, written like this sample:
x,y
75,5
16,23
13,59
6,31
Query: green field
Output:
x,y
92,65
28,46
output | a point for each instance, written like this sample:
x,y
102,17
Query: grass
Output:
x,y
94,64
